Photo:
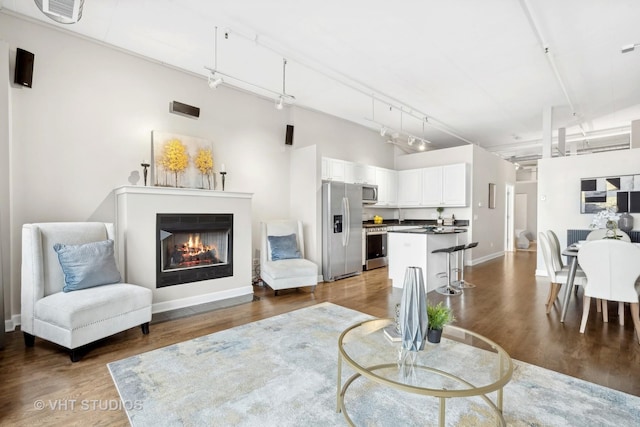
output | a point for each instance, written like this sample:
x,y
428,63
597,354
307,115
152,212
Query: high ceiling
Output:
x,y
450,72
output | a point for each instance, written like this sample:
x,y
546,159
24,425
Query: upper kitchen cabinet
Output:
x,y
387,181
357,173
410,188
454,185
333,169
433,186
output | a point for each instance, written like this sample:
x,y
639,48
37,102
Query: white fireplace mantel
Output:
x,y
136,208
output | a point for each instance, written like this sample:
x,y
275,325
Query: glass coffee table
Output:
x,y
463,364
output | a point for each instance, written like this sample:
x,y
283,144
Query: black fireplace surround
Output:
x,y
193,247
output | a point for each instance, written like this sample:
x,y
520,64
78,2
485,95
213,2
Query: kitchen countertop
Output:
x,y
416,223
430,230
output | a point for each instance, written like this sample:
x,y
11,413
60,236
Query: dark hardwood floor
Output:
x,y
507,306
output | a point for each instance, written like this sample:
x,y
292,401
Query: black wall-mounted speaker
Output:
x,y
184,109
24,68
289,139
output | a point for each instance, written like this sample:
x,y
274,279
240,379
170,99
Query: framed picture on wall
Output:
x,y
619,192
492,196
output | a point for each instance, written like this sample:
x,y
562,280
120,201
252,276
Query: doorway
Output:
x,y
509,245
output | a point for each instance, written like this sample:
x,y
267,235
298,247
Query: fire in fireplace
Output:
x,y
193,247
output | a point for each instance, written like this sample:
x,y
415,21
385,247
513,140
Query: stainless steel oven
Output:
x,y
376,247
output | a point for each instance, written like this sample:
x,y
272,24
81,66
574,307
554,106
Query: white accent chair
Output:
x,y
285,273
558,274
73,319
612,267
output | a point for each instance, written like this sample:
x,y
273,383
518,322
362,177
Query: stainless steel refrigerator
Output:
x,y
341,230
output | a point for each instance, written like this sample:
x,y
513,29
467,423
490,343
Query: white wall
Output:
x,y
86,125
489,224
5,247
559,189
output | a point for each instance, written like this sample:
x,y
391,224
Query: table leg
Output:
x,y
339,381
442,410
567,292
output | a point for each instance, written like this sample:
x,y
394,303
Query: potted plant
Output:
x,y
439,209
439,315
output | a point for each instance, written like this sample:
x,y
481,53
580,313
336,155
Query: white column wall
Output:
x,y
559,190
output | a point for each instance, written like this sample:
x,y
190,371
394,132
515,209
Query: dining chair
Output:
x,y
601,233
612,268
557,275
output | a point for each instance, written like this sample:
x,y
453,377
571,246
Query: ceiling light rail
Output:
x,y
351,83
216,78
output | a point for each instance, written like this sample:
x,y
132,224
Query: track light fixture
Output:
x,y
214,82
216,78
629,47
383,131
422,146
411,140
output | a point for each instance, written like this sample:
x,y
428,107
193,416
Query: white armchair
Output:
x,y
282,263
75,318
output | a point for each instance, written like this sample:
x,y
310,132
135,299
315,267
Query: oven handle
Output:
x,y
375,233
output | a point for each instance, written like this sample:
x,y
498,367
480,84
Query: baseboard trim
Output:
x,y
201,299
10,325
485,258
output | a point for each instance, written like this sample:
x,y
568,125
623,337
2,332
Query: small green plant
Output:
x,y
439,209
439,315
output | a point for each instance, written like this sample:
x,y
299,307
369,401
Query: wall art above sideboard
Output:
x,y
621,192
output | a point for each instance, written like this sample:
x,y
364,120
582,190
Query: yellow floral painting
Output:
x,y
181,161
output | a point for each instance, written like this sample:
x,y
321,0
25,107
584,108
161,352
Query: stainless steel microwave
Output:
x,y
369,193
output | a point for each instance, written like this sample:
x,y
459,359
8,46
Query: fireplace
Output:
x,y
193,247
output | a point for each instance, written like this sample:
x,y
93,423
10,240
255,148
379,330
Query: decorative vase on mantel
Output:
x,y
625,223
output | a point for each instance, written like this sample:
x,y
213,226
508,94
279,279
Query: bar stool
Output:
x,y
448,289
461,283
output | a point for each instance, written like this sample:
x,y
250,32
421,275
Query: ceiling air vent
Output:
x,y
63,11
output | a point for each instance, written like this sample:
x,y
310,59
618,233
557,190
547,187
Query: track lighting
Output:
x,y
216,78
214,83
411,140
383,131
629,47
422,146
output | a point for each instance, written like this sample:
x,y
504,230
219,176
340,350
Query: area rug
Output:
x,y
281,371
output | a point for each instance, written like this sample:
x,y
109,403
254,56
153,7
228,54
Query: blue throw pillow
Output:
x,y
88,265
284,247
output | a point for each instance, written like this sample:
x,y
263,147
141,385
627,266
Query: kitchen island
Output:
x,y
414,247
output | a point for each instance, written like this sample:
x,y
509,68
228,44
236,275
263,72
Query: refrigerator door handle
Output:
x,y
348,221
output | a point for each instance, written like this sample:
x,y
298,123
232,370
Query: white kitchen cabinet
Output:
x,y
454,185
432,186
387,182
410,188
357,173
333,169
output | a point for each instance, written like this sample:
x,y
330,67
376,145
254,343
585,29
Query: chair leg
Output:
x,y
553,291
75,354
605,311
621,313
29,340
635,315
586,302
145,328
598,305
